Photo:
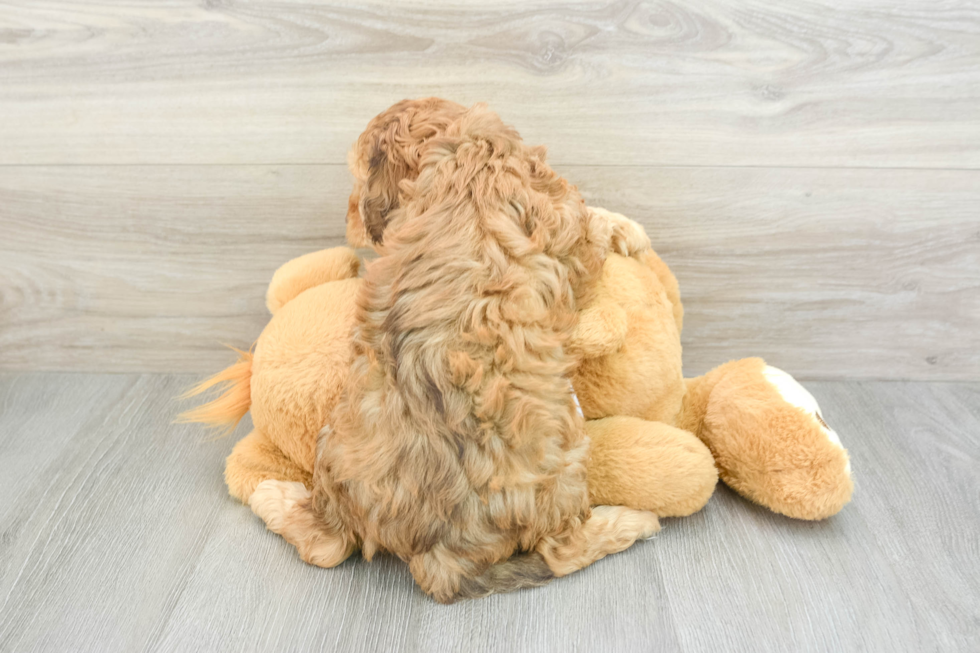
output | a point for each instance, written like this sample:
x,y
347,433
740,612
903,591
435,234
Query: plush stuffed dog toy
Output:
x,y
659,441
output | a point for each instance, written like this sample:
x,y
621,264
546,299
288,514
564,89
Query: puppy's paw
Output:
x,y
273,500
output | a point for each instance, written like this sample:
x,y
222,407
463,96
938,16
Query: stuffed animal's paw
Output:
x,y
284,506
273,500
796,395
626,236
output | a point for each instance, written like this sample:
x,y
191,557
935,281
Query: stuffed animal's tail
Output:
x,y
228,408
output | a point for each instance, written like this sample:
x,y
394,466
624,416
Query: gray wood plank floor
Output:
x,y
116,534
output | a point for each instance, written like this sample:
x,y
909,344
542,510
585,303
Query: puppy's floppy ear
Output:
x,y
386,167
390,150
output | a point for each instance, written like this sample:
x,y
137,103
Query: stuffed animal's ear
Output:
x,y
309,270
357,235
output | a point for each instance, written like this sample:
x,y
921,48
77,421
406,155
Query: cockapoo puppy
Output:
x,y
457,445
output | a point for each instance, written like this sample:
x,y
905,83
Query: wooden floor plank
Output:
x,y
47,412
826,273
712,82
122,537
928,449
98,548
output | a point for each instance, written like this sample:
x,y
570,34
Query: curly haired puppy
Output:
x,y
457,445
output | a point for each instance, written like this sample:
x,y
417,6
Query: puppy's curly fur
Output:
x,y
456,445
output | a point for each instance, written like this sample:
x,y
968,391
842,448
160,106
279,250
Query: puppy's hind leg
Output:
x,y
287,509
610,529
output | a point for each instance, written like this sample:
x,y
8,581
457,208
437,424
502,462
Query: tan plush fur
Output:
x,y
769,450
307,271
225,411
642,375
280,373
649,465
294,376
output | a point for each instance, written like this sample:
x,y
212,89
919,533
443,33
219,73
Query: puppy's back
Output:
x,y
464,444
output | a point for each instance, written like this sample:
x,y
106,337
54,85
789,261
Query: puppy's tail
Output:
x,y
514,573
228,408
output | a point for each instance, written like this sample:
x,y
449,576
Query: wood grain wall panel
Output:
x,y
827,273
713,82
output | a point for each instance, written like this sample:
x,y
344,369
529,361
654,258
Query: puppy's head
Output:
x,y
389,151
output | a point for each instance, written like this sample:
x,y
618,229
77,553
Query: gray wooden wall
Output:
x,y
810,170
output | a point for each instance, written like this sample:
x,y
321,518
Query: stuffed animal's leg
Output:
x,y
601,330
769,439
648,466
309,270
255,459
287,509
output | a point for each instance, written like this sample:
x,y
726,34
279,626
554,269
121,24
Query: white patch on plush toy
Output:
x,y
797,395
